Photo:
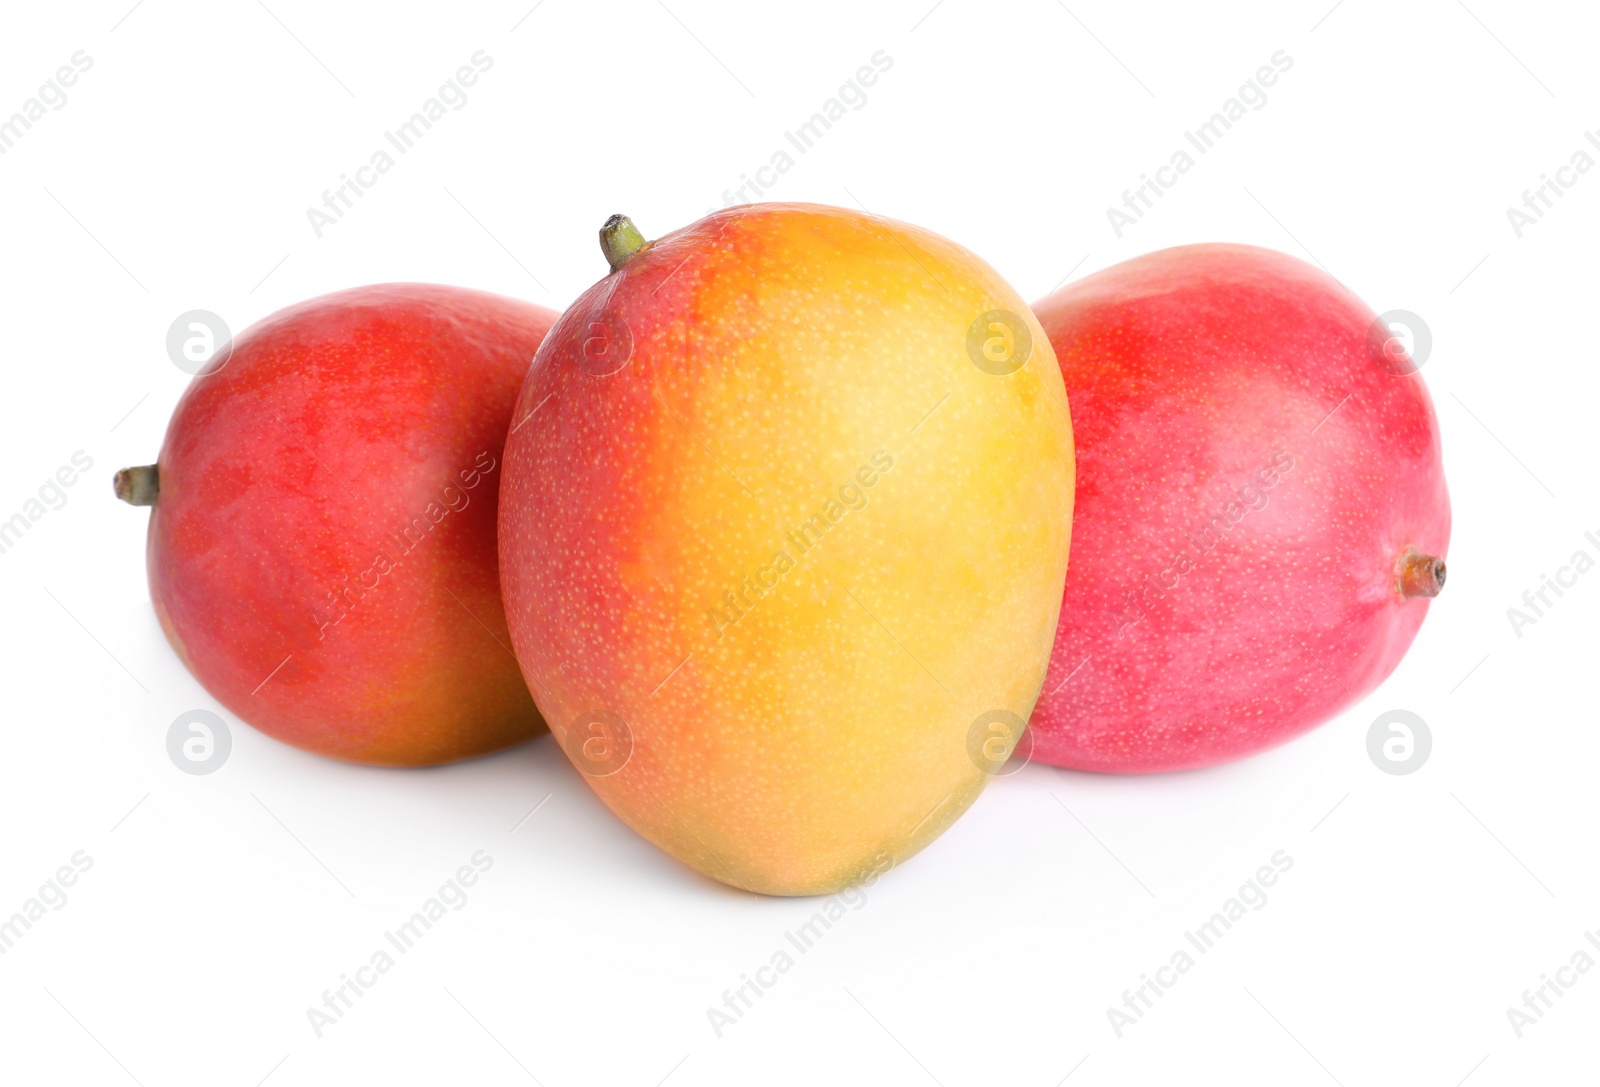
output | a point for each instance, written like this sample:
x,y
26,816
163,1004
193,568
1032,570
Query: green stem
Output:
x,y
138,486
620,241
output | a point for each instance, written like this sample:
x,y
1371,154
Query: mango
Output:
x,y
784,524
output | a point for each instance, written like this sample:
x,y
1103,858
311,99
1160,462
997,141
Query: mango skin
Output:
x,y
322,552
1253,469
788,712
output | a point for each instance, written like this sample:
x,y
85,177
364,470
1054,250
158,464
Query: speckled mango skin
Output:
x,y
1196,373
795,726
289,476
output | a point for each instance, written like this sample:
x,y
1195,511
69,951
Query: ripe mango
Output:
x,y
783,536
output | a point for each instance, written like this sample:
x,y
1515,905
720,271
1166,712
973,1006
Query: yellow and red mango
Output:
x,y
783,534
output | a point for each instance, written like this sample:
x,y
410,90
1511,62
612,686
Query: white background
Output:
x,y
219,908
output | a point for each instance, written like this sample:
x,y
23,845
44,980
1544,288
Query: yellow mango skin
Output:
x,y
787,719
